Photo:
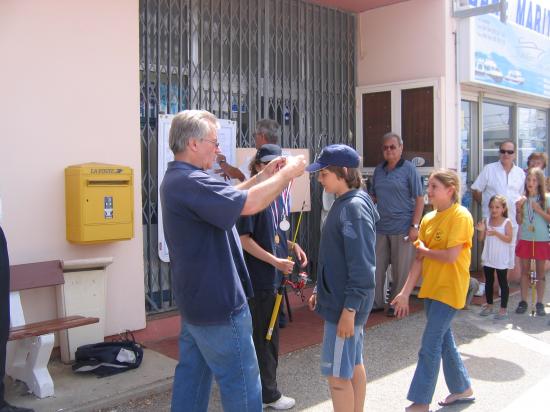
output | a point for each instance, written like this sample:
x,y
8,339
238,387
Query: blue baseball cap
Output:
x,y
335,155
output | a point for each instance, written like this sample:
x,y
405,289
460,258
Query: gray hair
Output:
x,y
189,124
270,129
507,141
392,135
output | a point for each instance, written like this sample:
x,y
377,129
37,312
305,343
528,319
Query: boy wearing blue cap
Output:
x,y
261,238
344,293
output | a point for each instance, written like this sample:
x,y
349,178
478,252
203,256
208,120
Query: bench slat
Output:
x,y
36,275
49,326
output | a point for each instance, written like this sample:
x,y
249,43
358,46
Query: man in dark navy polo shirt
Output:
x,y
209,275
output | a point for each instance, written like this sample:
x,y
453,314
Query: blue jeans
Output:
x,y
437,344
225,352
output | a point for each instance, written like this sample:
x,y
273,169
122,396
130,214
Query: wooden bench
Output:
x,y
32,345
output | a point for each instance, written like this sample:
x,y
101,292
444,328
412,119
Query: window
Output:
x,y
404,108
417,125
499,120
497,127
376,123
532,133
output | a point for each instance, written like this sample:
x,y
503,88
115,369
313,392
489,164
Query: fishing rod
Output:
x,y
532,262
533,279
284,281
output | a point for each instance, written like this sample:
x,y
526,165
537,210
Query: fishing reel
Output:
x,y
298,282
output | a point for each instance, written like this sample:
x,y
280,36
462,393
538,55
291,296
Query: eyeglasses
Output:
x,y
390,147
214,142
510,152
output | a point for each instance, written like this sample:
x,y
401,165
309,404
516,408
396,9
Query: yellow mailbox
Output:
x,y
99,202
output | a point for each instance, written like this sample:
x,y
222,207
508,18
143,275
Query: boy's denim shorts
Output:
x,y
339,356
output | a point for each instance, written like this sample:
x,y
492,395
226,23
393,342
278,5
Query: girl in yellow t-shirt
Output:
x,y
443,259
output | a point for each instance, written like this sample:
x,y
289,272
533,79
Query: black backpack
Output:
x,y
108,358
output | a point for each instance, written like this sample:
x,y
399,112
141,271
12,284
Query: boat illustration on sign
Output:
x,y
488,68
514,77
492,70
480,67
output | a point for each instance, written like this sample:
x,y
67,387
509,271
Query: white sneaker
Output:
x,y
281,404
481,290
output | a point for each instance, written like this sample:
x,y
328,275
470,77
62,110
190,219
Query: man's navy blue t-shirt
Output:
x,y
209,274
261,229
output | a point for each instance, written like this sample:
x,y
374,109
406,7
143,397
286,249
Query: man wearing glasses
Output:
x,y
501,178
397,190
267,132
209,275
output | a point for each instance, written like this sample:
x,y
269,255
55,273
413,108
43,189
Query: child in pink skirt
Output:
x,y
533,215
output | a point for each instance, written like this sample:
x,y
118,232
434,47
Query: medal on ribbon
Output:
x,y
285,196
531,214
275,215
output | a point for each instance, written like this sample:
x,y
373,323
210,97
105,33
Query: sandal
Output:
x,y
486,311
501,316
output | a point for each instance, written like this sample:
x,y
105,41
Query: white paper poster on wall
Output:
x,y
227,137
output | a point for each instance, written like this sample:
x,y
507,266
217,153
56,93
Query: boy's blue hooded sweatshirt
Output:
x,y
345,274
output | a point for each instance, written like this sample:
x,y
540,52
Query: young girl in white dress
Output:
x,y
497,233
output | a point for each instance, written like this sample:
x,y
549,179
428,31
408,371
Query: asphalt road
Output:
x,y
508,361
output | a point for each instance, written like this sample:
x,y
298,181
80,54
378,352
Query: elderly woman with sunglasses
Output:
x,y
501,178
397,190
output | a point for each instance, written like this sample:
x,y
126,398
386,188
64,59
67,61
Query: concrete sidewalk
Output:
x,y
508,361
87,393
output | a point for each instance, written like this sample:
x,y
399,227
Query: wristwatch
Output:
x,y
416,226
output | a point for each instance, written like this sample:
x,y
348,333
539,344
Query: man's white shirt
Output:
x,y
493,180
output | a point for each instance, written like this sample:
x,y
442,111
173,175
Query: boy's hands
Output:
x,y
344,329
284,265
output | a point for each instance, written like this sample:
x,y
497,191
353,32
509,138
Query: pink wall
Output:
x,y
400,42
410,41
70,94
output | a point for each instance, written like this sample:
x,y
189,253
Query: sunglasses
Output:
x,y
390,147
510,152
